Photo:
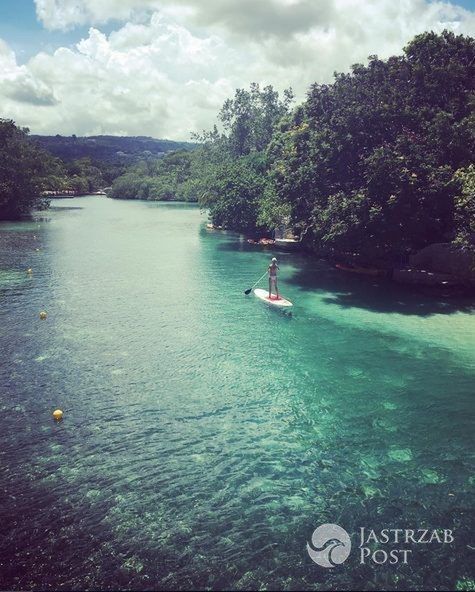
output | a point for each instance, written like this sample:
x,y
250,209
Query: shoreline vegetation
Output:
x,y
375,171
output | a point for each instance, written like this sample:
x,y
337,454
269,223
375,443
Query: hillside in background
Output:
x,y
108,149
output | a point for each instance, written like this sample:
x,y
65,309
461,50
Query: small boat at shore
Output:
x,y
288,244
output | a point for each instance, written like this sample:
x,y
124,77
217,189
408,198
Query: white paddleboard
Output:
x,y
280,303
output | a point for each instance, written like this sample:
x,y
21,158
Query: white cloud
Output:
x,y
257,19
156,80
19,85
167,75
66,14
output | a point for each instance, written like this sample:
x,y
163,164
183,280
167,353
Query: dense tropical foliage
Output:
x,y
375,162
80,176
169,178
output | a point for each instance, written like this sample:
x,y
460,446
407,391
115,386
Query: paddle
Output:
x,y
248,291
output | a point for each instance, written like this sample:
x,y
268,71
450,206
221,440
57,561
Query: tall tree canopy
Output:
x,y
249,118
367,164
236,183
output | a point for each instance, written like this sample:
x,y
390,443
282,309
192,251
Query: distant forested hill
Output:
x,y
110,149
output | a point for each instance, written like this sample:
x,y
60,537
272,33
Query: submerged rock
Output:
x,y
431,477
400,454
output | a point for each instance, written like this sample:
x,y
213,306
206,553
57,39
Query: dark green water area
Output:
x,y
205,435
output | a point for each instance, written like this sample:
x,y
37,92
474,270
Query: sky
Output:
x,y
163,68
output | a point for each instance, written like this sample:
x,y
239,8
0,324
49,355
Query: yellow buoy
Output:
x,y
58,414
43,315
29,270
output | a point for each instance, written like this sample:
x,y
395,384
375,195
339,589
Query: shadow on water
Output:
x,y
374,294
349,290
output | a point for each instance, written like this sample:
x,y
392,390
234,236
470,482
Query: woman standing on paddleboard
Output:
x,y
273,267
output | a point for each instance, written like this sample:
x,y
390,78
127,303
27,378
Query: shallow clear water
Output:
x,y
205,435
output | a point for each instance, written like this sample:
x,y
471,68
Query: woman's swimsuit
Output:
x,y
272,276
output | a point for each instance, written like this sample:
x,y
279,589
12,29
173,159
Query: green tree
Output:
x,y
465,205
234,190
249,118
83,176
24,170
232,166
126,187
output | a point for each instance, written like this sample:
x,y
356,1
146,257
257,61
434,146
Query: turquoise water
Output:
x,y
205,435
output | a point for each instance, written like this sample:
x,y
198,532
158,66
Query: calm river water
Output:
x,y
206,436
